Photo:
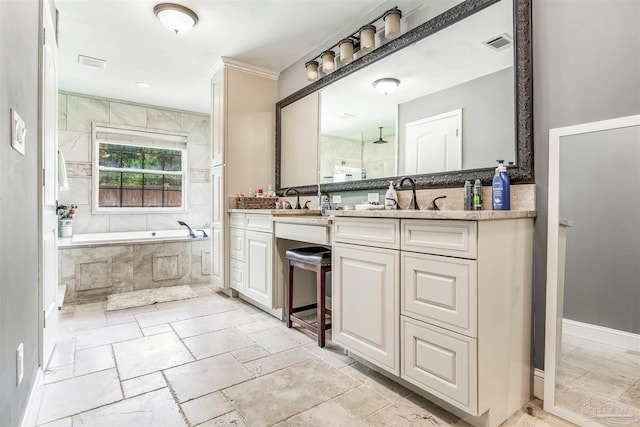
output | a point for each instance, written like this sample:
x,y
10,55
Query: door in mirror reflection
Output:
x,y
598,359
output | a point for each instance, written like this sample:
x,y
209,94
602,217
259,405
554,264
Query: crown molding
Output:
x,y
232,64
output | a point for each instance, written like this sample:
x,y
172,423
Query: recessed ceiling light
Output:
x,y
175,17
143,85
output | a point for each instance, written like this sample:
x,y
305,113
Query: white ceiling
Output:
x,y
271,34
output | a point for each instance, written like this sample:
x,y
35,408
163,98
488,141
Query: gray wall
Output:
x,y
586,63
488,132
599,193
18,206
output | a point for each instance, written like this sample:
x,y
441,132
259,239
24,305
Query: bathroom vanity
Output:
x,y
258,239
439,300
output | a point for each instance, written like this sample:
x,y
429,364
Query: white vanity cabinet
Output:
x,y
445,305
251,258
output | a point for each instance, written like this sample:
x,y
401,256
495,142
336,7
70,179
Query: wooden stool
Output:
x,y
317,259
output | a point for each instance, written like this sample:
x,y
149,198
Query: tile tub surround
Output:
x,y
76,112
91,272
137,367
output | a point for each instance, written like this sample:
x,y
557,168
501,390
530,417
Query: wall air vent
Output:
x,y
500,42
92,62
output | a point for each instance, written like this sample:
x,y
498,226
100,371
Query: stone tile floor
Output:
x,y
218,361
592,375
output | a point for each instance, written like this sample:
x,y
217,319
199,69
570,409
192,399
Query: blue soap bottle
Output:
x,y
507,186
500,189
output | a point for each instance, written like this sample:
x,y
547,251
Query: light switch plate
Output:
x,y
373,197
336,199
18,132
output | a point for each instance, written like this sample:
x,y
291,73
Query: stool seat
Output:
x,y
318,260
316,255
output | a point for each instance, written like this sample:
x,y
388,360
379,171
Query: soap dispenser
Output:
x,y
507,185
500,191
391,198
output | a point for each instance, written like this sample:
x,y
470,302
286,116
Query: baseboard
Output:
x,y
30,417
538,383
601,334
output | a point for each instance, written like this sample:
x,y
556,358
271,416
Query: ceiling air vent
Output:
x,y
92,62
500,42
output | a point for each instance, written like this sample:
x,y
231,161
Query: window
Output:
x,y
139,170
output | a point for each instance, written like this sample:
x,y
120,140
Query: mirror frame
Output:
x,y
522,173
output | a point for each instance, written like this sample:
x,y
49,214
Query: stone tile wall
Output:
x,y
76,113
90,273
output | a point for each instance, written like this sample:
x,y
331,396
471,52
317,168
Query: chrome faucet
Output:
x,y
414,201
297,196
191,233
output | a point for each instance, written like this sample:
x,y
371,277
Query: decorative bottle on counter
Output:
x,y
477,196
325,206
468,195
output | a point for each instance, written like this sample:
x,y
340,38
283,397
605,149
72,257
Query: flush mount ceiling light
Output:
x,y
380,140
386,86
176,18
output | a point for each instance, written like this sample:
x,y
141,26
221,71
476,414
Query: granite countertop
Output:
x,y
278,212
424,214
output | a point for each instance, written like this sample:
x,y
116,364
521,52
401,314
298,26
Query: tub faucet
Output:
x,y
297,196
204,233
414,201
191,233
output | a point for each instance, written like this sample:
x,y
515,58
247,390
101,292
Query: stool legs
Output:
x,y
289,307
320,286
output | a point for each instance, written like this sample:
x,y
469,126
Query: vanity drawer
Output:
x,y
236,220
378,232
440,362
440,290
440,237
259,223
317,234
236,243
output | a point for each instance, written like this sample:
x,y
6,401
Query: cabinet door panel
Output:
x,y
236,275
365,303
259,267
217,257
440,362
440,290
236,243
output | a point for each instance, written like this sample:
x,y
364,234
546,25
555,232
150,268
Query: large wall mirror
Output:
x,y
463,101
592,351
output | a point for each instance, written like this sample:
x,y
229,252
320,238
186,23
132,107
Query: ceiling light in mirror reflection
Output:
x,y
176,18
386,85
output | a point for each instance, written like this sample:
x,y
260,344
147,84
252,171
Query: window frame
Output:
x,y
155,138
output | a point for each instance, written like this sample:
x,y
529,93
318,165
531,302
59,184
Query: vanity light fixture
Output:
x,y
175,17
368,37
328,61
386,86
363,40
312,70
392,24
346,50
380,140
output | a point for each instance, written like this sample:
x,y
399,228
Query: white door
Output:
x,y
259,267
365,303
434,144
49,191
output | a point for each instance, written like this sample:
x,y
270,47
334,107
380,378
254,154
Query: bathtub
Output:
x,y
91,266
132,236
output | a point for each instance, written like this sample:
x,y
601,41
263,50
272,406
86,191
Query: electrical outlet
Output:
x,y
19,364
373,197
336,199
